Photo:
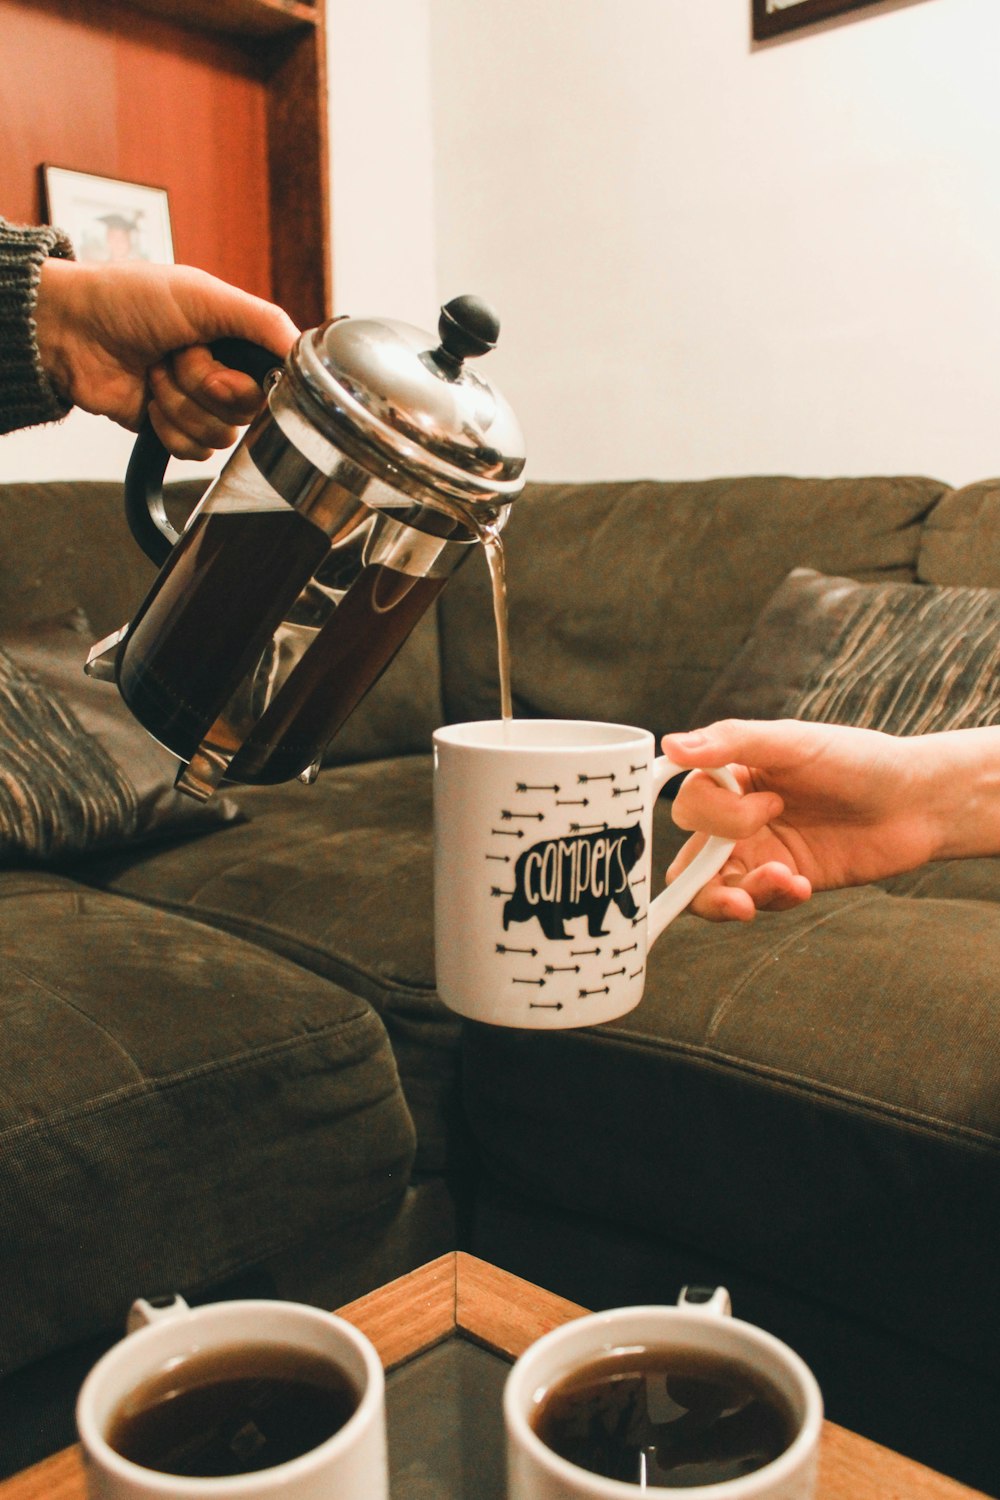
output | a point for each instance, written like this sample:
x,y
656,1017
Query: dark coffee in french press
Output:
x,y
378,463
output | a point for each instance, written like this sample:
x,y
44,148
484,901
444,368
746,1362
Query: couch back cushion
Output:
x,y
961,541
627,599
66,546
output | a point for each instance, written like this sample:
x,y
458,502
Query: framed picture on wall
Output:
x,y
772,17
107,219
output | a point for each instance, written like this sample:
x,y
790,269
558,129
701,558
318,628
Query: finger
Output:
x,y
175,439
722,899
736,894
180,414
230,395
704,805
769,743
718,902
775,887
215,309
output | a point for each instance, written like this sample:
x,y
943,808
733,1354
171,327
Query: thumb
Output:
x,y
768,743
214,309
238,314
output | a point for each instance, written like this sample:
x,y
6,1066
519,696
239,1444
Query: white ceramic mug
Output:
x,y
535,1472
542,869
352,1464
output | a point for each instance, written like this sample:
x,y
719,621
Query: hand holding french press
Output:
x,y
368,477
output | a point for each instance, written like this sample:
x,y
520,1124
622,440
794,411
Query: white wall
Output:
x,y
713,258
81,447
382,159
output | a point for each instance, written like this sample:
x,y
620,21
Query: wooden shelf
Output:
x,y
221,102
261,19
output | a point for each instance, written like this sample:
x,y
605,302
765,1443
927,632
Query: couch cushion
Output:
x,y
338,877
177,1104
627,599
66,545
900,657
789,1097
960,542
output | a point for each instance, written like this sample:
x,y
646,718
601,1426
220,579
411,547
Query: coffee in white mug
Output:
x,y
269,1400
654,1399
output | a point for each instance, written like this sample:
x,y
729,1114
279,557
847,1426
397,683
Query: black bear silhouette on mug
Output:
x,y
579,876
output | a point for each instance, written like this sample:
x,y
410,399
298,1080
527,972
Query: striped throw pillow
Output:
x,y
906,658
78,774
60,792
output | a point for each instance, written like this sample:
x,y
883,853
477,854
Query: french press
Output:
x,y
378,460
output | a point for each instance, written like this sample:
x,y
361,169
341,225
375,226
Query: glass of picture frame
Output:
x,y
106,218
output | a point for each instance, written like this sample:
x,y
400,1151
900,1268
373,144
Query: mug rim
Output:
x,y
743,1487
466,736
97,1448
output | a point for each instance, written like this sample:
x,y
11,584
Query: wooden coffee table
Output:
x,y
447,1334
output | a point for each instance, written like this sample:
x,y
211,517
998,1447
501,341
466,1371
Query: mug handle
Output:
x,y
706,863
146,1310
711,1299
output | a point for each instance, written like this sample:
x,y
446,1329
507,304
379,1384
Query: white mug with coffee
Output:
x,y
248,1400
543,913
650,1400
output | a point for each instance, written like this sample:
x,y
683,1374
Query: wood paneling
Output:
x,y
299,190
232,126
192,116
56,100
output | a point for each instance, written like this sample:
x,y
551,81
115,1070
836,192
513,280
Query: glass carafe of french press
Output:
x,y
378,461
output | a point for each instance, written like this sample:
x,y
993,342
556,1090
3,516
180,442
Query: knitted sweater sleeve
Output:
x,y
26,395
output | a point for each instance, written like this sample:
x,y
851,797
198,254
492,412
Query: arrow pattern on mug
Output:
x,y
581,873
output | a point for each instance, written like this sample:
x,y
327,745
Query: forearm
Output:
x,y
959,781
27,396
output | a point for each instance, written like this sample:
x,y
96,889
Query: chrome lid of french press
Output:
x,y
410,410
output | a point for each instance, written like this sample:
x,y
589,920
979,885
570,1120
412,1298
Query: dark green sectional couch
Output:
x,y
225,1068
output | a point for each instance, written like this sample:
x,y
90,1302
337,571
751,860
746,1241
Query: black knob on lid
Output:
x,y
468,326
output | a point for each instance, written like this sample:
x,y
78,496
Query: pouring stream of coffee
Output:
x,y
489,535
496,562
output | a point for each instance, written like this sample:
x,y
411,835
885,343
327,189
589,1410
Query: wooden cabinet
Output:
x,y
222,102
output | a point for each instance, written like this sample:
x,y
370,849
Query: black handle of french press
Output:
x,y
144,507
